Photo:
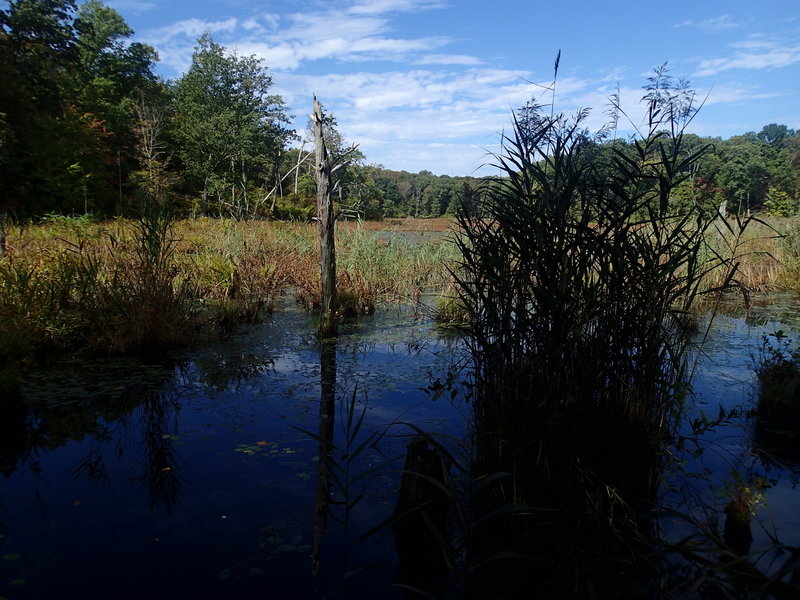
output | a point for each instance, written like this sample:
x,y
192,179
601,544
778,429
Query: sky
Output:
x,y
431,84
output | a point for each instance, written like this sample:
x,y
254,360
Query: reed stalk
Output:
x,y
577,280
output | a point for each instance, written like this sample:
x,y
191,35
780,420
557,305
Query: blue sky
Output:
x,y
430,84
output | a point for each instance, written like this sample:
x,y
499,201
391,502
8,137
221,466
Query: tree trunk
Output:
x,y
325,216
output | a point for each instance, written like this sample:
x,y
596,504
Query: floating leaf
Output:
x,y
224,574
12,556
263,443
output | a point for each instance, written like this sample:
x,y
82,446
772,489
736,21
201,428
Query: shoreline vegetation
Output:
x,y
70,284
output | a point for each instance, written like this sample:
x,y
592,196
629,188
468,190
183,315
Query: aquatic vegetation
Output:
x,y
578,279
777,366
450,312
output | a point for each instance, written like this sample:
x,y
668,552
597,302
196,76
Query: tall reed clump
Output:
x,y
110,288
238,267
142,303
577,280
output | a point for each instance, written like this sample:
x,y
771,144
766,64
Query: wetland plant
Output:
x,y
578,278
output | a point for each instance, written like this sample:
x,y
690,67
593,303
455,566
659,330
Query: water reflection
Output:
x,y
204,455
15,434
160,467
222,371
327,410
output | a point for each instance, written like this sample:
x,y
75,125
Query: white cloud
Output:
x,y
303,37
734,94
134,7
448,59
765,56
714,24
189,28
375,7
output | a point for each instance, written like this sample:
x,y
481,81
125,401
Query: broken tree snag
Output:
x,y
326,218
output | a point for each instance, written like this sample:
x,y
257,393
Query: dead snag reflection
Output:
x,y
327,404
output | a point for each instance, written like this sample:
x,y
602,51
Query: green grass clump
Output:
x,y
449,311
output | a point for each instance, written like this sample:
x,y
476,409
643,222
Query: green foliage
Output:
x,y
67,105
227,125
780,204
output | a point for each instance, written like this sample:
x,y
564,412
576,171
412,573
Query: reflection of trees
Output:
x,y
92,466
777,446
158,417
221,372
327,406
97,412
14,434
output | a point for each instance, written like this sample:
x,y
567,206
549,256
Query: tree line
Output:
x,y
86,126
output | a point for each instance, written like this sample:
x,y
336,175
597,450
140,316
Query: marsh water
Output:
x,y
197,475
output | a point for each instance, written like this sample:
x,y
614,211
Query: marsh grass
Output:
x,y
103,288
73,284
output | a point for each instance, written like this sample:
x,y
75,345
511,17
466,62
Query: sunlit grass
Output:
x,y
73,284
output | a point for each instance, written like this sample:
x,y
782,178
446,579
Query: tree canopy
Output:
x,y
86,125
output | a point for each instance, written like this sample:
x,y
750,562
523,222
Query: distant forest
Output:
x,y
87,127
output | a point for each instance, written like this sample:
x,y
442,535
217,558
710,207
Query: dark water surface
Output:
x,y
197,476
741,450
190,479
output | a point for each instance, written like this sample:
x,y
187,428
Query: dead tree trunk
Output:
x,y
326,218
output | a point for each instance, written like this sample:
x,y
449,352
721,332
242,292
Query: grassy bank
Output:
x,y
69,284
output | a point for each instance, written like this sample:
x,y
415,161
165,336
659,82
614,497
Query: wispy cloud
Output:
x,y
448,59
358,35
759,54
377,7
716,24
189,28
134,7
